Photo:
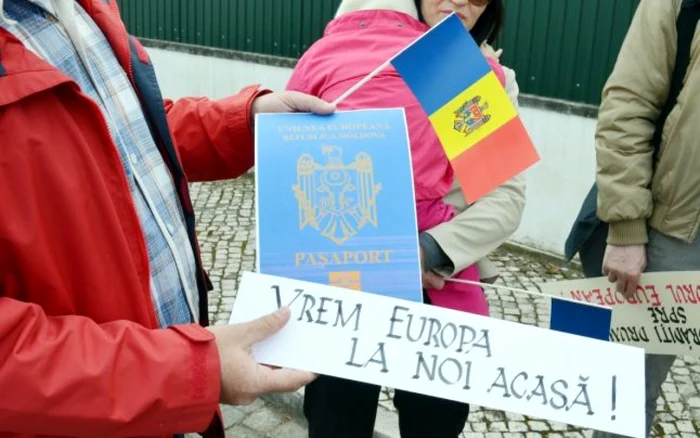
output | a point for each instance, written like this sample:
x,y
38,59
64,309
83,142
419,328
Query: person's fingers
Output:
x,y
284,380
262,328
632,283
305,103
433,281
604,270
621,284
498,53
246,401
630,288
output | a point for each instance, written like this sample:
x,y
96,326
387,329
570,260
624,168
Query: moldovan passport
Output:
x,y
335,201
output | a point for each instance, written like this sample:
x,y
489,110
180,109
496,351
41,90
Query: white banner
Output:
x,y
449,354
663,316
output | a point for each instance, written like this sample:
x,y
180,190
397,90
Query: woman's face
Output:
x,y
468,11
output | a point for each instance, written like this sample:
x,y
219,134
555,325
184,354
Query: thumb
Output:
x,y
284,380
305,103
262,328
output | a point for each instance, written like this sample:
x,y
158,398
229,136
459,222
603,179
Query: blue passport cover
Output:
x,y
335,201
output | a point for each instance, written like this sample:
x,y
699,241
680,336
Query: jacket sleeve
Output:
x,y
213,137
70,376
632,100
481,228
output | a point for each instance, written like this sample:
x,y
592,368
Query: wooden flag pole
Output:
x,y
362,82
522,291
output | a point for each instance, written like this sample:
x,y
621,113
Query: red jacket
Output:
x,y
79,353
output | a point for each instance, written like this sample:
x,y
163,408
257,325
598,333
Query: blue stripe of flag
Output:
x,y
580,319
441,64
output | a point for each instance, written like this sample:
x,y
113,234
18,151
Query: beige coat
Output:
x,y
631,195
481,228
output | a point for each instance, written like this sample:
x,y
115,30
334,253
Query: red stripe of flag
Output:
x,y
495,160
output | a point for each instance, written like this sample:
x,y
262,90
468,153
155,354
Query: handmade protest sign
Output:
x,y
449,354
663,316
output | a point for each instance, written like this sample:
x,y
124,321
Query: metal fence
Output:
x,y
563,49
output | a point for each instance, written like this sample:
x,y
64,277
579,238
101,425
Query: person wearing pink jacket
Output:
x,y
364,34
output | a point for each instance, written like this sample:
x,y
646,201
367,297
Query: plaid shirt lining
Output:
x,y
172,263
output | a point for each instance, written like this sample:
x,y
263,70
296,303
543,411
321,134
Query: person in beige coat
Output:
x,y
339,408
652,203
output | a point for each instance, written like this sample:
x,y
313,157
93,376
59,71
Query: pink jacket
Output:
x,y
353,45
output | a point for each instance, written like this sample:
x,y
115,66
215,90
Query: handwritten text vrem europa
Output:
x,y
446,352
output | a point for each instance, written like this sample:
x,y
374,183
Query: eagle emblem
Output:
x,y
471,116
336,199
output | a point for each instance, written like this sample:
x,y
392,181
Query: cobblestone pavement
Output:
x,y
227,228
260,420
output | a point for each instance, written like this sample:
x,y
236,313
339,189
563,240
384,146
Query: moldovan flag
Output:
x,y
582,319
477,124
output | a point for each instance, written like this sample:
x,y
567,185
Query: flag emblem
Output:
x,y
471,116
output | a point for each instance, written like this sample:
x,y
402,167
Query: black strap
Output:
x,y
687,22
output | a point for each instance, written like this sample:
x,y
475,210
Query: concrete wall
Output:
x,y
562,133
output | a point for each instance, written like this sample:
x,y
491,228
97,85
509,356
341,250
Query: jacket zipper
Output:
x,y
132,209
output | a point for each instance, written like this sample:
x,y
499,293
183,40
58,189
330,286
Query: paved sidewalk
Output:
x,y
261,420
226,229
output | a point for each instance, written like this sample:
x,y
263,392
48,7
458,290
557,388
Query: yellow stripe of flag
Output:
x,y
473,115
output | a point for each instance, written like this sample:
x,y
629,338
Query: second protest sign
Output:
x,y
663,315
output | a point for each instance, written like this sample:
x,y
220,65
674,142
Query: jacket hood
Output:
x,y
405,6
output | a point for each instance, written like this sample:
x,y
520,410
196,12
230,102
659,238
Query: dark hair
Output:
x,y
487,27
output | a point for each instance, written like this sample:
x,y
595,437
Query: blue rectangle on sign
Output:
x,y
335,201
580,319
441,64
